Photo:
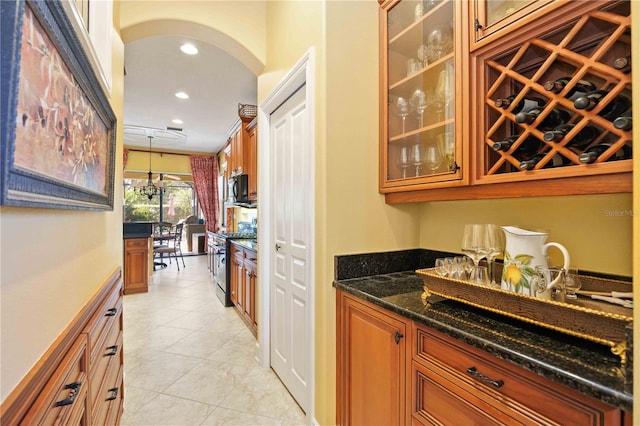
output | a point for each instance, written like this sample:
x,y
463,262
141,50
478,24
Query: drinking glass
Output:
x,y
418,101
441,268
447,145
572,283
439,42
495,247
404,161
474,243
418,157
433,159
401,109
480,275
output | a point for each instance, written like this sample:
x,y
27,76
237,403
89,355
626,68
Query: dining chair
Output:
x,y
172,249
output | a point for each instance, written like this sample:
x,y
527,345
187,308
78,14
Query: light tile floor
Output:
x,y
191,361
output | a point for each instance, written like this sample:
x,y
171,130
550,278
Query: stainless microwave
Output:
x,y
240,189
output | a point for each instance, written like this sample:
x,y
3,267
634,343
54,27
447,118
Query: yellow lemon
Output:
x,y
513,274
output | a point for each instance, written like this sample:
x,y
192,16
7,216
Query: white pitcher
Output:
x,y
524,250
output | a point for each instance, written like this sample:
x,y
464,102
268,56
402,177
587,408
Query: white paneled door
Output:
x,y
291,280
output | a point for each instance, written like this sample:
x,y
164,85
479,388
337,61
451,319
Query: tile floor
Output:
x,y
191,361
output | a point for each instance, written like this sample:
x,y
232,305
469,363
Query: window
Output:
x,y
178,201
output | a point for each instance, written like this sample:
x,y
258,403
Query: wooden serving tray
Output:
x,y
604,326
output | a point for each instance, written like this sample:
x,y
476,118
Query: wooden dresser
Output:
x,y
79,380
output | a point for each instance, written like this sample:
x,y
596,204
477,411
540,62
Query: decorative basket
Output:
x,y
601,326
247,111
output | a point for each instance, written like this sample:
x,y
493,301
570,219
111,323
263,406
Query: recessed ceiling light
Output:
x,y
182,95
189,49
177,121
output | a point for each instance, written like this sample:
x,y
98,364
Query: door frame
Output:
x,y
302,73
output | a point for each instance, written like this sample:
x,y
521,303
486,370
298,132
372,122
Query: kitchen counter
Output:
x,y
248,244
581,365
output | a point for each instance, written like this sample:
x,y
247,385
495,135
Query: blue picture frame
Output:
x,y
57,127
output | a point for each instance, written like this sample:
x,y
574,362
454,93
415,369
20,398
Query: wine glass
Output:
x,y
495,247
418,157
433,158
572,283
445,90
401,109
447,145
474,243
404,161
418,101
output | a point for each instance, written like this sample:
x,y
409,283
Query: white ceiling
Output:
x,y
216,83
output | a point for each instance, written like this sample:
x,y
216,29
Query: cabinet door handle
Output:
x,y
111,312
397,337
278,247
114,394
484,379
75,387
113,349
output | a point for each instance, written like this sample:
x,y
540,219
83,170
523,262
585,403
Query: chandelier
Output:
x,y
149,189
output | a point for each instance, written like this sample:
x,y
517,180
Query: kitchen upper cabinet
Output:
x,y
252,159
421,140
538,88
371,370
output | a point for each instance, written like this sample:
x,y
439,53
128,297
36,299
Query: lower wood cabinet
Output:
x,y
371,364
79,380
244,285
136,265
393,371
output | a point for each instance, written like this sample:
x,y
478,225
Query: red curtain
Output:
x,y
204,170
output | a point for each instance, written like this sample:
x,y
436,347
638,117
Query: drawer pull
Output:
x,y
113,349
75,387
478,375
111,312
397,337
114,394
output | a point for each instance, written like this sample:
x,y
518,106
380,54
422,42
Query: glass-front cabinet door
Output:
x,y
420,141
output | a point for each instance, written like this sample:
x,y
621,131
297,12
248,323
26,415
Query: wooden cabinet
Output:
x,y
371,364
454,383
136,265
252,159
394,371
503,50
244,285
422,139
79,380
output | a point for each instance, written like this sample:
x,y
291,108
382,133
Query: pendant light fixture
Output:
x,y
149,189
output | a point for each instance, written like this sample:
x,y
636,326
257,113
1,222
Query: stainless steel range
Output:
x,y
221,262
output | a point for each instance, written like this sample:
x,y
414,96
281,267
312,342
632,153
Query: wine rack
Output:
x,y
582,42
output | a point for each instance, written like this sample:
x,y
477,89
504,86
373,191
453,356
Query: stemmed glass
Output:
x,y
447,145
404,161
433,158
474,245
495,246
401,109
419,102
418,157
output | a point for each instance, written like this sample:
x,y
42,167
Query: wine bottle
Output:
x,y
622,123
623,64
581,88
592,153
555,161
612,110
584,137
525,105
553,119
527,147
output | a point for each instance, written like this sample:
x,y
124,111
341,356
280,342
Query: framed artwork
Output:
x,y
57,127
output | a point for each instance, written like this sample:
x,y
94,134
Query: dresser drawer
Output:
x,y
109,397
108,314
499,385
63,401
136,243
107,362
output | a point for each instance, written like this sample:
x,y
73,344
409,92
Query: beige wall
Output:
x,y
52,262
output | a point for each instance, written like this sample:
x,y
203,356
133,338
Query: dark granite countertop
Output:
x,y
581,365
247,244
131,236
